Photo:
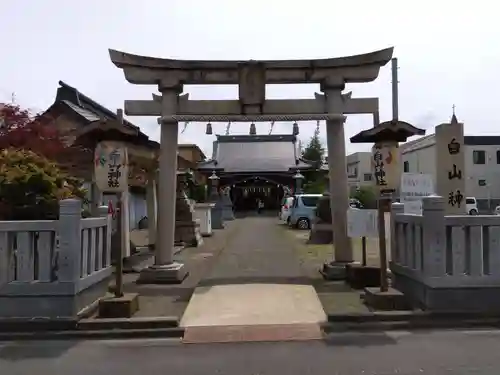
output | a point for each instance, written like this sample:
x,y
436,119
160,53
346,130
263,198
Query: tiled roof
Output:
x,y
255,153
86,114
85,106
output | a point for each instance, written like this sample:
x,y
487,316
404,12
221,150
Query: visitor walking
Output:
x,y
260,205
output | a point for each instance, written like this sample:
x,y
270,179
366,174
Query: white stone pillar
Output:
x,y
165,270
151,203
337,172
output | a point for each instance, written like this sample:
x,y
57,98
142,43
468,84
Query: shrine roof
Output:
x,y
255,153
85,107
122,59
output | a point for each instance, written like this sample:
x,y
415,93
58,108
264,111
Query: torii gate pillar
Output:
x,y
339,190
165,269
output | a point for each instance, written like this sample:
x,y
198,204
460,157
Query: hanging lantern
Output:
x,y
209,129
253,130
295,128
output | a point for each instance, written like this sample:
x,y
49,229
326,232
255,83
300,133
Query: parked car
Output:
x,y
286,208
303,210
471,206
355,203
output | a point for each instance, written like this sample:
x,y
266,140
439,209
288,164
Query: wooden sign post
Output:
x,y
111,176
385,159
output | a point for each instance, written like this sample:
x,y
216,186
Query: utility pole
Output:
x,y
395,82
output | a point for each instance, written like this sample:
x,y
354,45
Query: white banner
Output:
x,y
362,223
415,186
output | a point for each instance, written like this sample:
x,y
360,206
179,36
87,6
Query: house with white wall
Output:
x,y
359,170
482,165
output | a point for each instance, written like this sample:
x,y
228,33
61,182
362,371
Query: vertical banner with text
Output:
x,y
450,166
111,167
386,166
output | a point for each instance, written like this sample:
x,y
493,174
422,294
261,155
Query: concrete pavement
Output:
x,y
403,353
256,281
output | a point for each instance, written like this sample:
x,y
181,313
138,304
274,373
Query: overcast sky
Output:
x,y
448,52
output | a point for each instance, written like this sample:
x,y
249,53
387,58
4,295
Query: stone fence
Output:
x,y
446,262
54,268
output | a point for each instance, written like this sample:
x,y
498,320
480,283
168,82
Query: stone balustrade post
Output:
x,y
103,211
70,240
396,209
434,236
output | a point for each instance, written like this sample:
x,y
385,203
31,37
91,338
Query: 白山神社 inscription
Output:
x,y
450,163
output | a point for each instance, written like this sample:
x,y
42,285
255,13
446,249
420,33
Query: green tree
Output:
x,y
31,186
314,152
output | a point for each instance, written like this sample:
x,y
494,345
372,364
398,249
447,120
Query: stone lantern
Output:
x,y
298,178
387,172
217,209
322,230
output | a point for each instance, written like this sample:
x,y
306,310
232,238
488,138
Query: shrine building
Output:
x,y
256,167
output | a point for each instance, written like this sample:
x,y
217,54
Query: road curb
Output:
x,y
128,323
39,329
102,334
409,320
409,315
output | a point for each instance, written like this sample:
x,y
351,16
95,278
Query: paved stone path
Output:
x,y
256,280
260,252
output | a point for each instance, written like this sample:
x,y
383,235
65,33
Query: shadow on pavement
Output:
x,y
359,339
245,214
21,350
299,280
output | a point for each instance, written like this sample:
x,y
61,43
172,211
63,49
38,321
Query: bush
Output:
x,y
31,186
315,187
198,193
367,196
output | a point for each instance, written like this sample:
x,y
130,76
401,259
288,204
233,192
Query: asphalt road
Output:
x,y
402,353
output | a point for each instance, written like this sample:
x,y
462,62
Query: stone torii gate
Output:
x,y
251,77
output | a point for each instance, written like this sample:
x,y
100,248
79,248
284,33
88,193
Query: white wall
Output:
x,y
359,165
137,205
421,158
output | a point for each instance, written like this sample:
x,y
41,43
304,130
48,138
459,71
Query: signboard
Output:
x,y
450,164
385,164
415,186
362,223
111,167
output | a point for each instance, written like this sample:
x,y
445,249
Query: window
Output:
x,y
406,167
367,177
352,172
470,201
309,201
479,157
481,182
498,157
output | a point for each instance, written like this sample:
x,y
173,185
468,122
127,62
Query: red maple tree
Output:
x,y
20,129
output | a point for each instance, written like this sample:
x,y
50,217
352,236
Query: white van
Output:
x,y
471,206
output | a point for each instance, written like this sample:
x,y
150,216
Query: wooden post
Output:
x,y
118,249
363,251
382,201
